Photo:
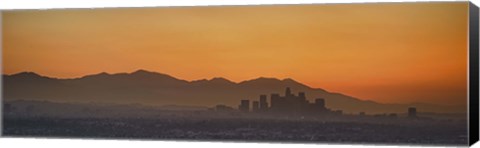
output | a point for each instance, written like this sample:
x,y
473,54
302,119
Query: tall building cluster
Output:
x,y
295,104
288,104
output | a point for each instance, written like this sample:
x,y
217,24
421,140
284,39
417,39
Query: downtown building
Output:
x,y
288,104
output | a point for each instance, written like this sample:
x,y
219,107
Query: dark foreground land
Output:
x,y
240,129
67,120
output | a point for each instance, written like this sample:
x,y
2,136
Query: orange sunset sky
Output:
x,y
387,52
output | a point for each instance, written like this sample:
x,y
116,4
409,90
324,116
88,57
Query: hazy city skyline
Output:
x,y
367,73
389,53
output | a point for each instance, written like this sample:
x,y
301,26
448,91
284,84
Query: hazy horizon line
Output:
x,y
156,72
190,81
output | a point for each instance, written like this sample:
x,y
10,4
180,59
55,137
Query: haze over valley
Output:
x,y
157,89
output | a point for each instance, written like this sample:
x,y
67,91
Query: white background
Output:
x,y
82,143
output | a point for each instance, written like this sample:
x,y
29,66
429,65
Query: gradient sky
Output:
x,y
390,53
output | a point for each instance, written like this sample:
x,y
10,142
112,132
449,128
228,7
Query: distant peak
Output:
x,y
261,80
150,74
102,74
140,71
220,79
27,73
288,79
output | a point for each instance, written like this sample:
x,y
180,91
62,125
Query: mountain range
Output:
x,y
157,89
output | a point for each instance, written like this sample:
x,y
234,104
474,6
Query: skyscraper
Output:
x,y
290,104
263,103
244,106
288,92
255,106
320,103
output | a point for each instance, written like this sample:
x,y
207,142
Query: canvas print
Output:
x,y
376,73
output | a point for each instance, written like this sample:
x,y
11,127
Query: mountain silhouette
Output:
x,y
152,88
